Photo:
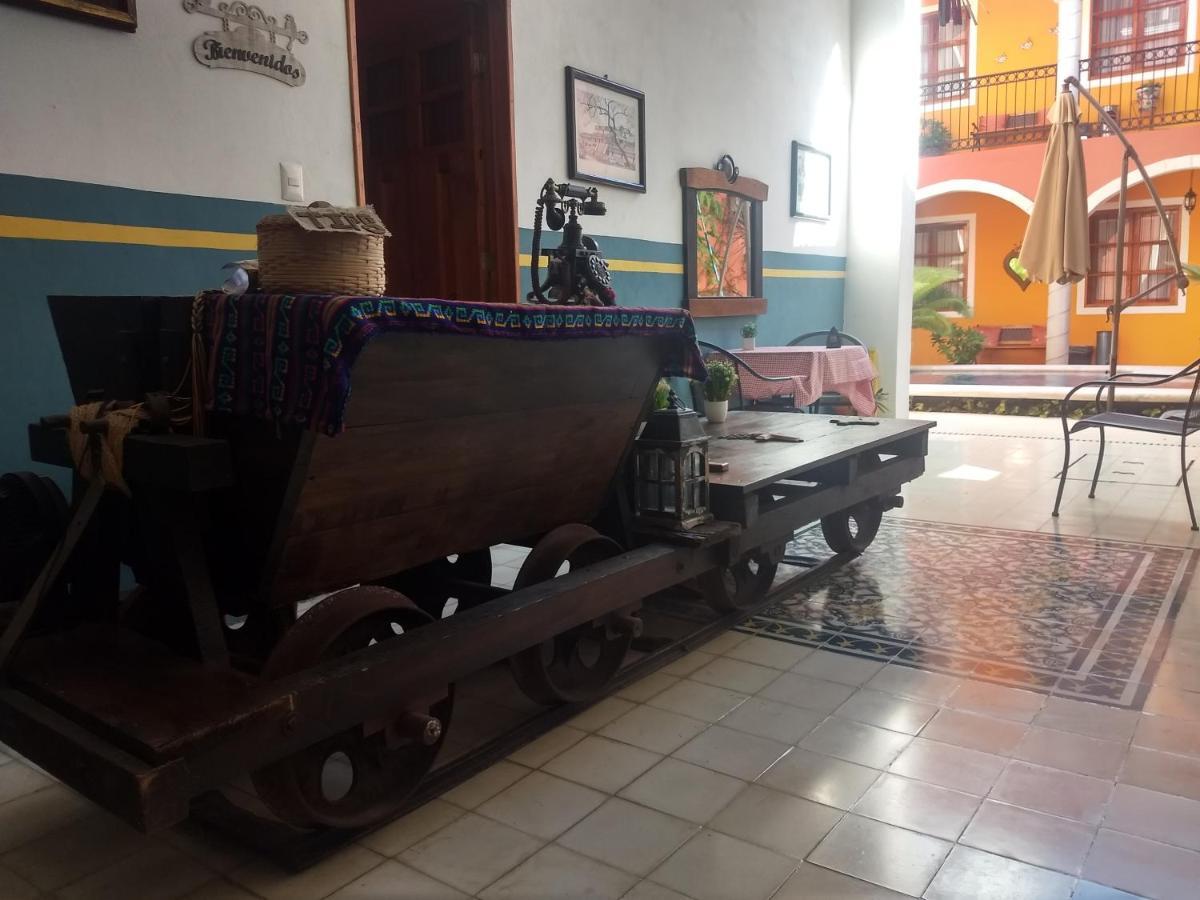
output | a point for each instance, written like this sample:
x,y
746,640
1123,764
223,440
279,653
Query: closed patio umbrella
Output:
x,y
1055,249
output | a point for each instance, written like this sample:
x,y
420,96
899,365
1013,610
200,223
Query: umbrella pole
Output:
x,y
1118,290
1131,156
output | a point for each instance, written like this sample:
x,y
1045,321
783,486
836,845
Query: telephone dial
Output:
x,y
576,271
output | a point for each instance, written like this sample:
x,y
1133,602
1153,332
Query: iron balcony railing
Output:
x,y
1141,89
987,110
1146,88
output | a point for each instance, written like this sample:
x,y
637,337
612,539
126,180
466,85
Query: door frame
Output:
x,y
500,163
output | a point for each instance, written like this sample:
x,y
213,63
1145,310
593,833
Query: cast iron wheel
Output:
x,y
852,530
33,517
359,776
577,664
740,586
430,585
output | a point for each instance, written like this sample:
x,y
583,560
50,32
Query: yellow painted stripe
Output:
x,y
628,265
803,273
100,233
665,268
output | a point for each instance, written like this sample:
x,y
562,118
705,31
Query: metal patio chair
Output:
x,y
744,372
1177,423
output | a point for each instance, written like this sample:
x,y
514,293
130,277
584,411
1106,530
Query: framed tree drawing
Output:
x,y
812,183
606,131
113,13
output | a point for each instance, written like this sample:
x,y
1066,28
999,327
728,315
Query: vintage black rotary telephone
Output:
x,y
576,271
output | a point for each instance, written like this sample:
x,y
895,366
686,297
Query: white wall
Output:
x,y
87,103
745,78
883,180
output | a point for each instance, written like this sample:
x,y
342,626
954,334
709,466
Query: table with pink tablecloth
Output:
x,y
813,371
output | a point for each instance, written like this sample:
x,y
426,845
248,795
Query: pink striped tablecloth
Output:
x,y
813,371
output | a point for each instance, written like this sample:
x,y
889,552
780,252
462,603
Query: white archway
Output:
x,y
976,186
1154,170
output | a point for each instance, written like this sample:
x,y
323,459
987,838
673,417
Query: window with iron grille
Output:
x,y
943,245
945,58
1147,257
1136,35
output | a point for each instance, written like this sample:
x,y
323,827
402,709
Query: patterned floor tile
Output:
x,y
1077,617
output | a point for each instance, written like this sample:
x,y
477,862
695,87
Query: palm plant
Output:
x,y
932,297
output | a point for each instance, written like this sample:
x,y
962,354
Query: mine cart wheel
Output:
x,y
740,586
852,530
431,586
359,776
577,664
33,517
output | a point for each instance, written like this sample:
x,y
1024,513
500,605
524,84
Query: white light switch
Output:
x,y
291,181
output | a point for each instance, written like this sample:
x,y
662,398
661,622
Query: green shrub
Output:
x,y
959,345
722,376
935,137
749,330
662,394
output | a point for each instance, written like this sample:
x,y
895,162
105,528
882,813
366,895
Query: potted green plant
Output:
x,y
959,345
1147,96
722,376
935,137
662,394
749,333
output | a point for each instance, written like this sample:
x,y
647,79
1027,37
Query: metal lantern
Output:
x,y
671,468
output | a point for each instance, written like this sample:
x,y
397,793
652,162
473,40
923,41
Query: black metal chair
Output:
x,y
1177,423
831,338
744,372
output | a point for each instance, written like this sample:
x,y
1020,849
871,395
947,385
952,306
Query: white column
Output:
x,y
1058,301
884,121
1070,37
1058,324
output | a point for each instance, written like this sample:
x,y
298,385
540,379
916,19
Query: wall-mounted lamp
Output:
x,y
726,166
1189,200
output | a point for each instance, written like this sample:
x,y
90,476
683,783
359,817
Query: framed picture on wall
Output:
x,y
113,13
606,131
812,183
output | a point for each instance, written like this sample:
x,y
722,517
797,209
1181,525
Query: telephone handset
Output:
x,y
576,271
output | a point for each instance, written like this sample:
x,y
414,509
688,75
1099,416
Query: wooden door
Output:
x,y
429,146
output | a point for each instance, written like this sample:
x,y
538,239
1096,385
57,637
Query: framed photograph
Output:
x,y
606,131
812,183
113,13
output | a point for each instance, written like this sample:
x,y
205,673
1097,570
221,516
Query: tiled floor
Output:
x,y
761,768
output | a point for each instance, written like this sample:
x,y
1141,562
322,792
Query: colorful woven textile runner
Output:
x,y
288,358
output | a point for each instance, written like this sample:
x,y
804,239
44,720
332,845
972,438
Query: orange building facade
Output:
x,y
985,92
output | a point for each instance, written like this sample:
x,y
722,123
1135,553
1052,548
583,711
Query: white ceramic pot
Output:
x,y
747,343
716,410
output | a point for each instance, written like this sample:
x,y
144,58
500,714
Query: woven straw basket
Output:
x,y
294,261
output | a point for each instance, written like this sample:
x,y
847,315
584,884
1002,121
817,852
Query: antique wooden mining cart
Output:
x,y
155,648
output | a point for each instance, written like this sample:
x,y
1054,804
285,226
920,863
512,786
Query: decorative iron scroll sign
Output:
x,y
248,40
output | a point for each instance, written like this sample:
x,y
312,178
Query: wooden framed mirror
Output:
x,y
113,13
722,243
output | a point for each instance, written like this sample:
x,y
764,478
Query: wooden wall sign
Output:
x,y
249,40
323,217
115,13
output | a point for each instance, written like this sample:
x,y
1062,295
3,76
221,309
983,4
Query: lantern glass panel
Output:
x,y
668,467
668,493
648,496
649,463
